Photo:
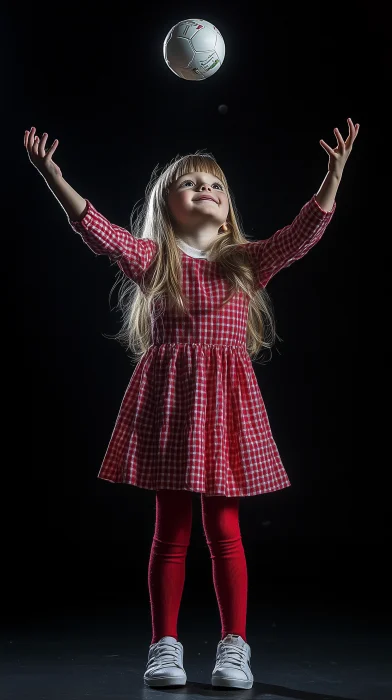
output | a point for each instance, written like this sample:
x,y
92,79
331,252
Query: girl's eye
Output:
x,y
186,182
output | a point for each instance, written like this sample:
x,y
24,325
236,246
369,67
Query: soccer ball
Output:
x,y
194,49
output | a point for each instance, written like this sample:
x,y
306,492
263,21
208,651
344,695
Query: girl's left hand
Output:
x,y
338,156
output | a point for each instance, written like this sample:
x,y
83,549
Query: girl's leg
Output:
x,y
222,530
166,570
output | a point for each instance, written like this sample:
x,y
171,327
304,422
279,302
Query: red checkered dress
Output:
x,y
192,417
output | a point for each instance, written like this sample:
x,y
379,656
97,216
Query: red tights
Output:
x,y
166,570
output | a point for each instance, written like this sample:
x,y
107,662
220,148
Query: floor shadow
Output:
x,y
259,690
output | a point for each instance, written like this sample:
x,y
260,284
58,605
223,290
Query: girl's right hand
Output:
x,y
40,158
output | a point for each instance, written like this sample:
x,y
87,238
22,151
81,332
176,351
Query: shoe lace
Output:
x,y
167,655
232,653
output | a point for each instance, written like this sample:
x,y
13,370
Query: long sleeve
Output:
x,y
291,242
132,255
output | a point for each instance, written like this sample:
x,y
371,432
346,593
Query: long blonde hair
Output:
x,y
138,304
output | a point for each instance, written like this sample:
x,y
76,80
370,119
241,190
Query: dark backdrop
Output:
x,y
96,80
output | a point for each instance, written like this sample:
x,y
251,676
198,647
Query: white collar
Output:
x,y
192,252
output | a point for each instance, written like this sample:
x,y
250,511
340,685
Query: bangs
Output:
x,y
192,164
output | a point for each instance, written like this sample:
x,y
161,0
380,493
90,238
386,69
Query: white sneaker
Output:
x,y
164,665
232,668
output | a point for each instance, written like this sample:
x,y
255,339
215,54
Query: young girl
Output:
x,y
196,313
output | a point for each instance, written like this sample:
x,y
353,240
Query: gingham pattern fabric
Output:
x,y
192,417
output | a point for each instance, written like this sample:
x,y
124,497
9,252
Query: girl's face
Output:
x,y
198,200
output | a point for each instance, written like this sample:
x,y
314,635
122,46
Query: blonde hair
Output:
x,y
139,303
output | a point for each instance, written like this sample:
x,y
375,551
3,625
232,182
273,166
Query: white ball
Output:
x,y
194,49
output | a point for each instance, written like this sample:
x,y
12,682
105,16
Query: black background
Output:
x,y
96,80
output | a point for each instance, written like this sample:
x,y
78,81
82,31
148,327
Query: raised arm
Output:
x,y
293,241
73,204
133,255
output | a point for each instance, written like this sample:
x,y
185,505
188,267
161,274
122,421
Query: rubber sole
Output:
x,y
166,682
231,683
